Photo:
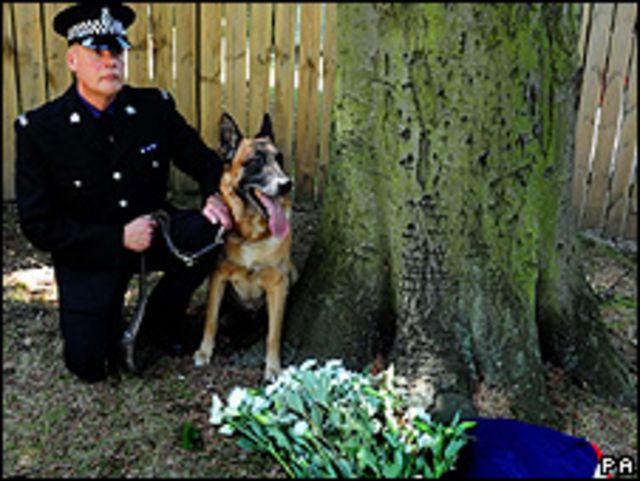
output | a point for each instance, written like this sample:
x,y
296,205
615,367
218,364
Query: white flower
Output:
x,y
307,364
227,430
415,412
333,363
377,426
259,403
287,418
216,410
371,410
236,397
340,377
271,388
286,376
300,428
425,440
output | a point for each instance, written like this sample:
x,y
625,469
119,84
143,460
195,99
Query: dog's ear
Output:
x,y
230,137
266,130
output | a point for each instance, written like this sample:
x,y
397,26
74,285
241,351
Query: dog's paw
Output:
x,y
271,371
201,358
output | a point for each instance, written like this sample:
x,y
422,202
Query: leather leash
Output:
x,y
127,343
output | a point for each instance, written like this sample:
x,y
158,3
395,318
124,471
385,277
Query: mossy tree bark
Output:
x,y
446,235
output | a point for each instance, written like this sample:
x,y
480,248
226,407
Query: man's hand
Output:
x,y
138,233
217,212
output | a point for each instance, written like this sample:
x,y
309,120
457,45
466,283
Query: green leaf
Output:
x,y
393,470
294,401
191,437
453,448
345,468
316,416
254,426
261,418
464,425
422,426
247,445
456,418
367,459
281,439
428,473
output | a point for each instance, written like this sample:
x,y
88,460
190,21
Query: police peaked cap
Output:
x,y
99,26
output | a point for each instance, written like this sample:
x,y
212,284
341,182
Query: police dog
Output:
x,y
257,251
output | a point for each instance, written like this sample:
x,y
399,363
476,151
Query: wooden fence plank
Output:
x,y
185,61
138,54
31,71
307,114
285,62
58,75
186,87
162,23
584,28
210,71
236,61
9,103
198,90
632,214
328,80
590,94
622,176
260,64
614,80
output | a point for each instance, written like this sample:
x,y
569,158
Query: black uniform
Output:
x,y
79,180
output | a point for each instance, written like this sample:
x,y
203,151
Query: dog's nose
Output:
x,y
285,187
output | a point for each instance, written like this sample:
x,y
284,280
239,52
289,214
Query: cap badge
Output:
x,y
106,25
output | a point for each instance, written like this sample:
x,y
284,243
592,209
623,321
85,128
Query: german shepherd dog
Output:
x,y
257,251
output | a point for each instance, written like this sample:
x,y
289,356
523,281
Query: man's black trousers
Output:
x,y
91,301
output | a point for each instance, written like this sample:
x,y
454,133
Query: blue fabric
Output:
x,y
506,448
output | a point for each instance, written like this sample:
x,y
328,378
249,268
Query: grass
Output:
x,y
55,426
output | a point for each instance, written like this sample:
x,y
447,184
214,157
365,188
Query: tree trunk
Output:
x,y
446,237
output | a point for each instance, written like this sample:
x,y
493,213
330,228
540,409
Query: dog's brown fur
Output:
x,y
256,262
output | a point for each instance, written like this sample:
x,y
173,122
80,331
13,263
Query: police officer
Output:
x,y
92,165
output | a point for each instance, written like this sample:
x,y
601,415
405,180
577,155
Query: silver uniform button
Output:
x,y
123,203
155,164
77,183
111,139
117,175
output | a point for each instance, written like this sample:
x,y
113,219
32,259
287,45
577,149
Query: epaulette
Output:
x,y
165,95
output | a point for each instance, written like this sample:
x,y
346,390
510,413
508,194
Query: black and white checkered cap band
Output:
x,y
105,25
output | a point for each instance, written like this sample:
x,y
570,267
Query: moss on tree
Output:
x,y
446,224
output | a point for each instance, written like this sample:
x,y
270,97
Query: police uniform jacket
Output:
x,y
77,187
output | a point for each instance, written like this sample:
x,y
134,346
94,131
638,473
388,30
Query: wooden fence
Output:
x,y
249,58
244,58
605,176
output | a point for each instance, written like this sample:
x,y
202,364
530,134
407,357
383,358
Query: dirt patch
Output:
x,y
55,426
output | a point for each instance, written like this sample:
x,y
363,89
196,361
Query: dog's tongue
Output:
x,y
278,223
